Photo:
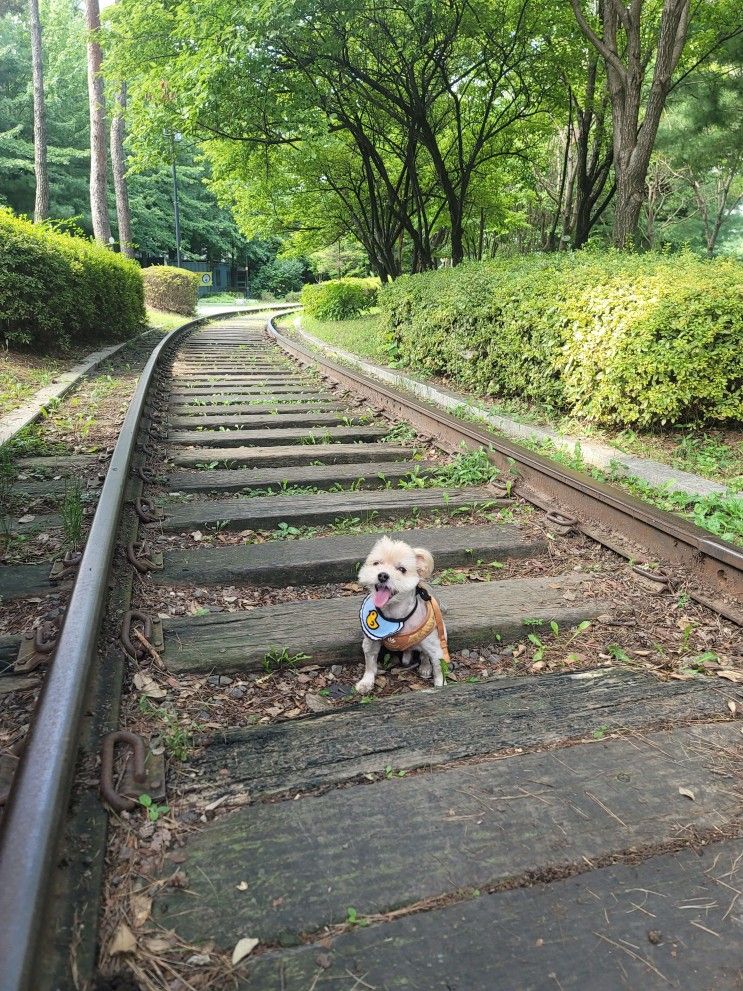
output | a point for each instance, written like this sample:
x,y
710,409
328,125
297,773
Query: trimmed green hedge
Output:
x,y
172,289
339,299
57,290
619,339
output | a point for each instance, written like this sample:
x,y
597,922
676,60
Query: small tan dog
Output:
x,y
399,613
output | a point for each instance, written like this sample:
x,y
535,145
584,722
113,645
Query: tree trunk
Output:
x,y
628,205
96,99
41,206
118,163
626,66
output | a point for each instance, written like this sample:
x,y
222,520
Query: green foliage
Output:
x,y
154,811
279,277
56,289
174,290
361,335
66,98
618,339
466,468
73,513
281,657
340,299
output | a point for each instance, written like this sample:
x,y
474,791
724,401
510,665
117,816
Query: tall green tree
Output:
x,y
700,143
66,111
97,106
423,99
642,45
41,167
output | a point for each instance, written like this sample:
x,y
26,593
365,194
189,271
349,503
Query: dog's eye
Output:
x,y
403,571
376,564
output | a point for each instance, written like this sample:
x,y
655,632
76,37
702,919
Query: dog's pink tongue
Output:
x,y
382,597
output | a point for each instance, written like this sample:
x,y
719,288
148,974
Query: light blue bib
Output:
x,y
374,624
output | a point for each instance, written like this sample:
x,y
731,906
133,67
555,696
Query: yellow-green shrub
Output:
x,y
172,289
57,290
617,338
339,299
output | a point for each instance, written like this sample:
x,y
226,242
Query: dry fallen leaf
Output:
x,y
687,793
732,706
148,686
244,946
141,907
199,960
158,945
736,676
123,941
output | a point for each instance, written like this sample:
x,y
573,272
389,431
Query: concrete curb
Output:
x,y
600,455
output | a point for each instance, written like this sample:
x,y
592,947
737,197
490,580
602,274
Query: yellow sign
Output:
x,y
206,278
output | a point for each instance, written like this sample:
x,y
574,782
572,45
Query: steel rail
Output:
x,y
41,790
546,483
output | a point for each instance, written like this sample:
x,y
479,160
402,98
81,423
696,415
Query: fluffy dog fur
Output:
x,y
391,573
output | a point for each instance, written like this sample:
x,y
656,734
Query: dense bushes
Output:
x,y
57,290
340,299
278,278
620,339
172,289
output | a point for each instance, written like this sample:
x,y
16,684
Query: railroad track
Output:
x,y
564,813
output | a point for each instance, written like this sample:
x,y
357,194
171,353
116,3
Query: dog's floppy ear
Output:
x,y
423,562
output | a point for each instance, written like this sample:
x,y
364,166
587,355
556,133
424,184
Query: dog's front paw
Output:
x,y
364,686
425,669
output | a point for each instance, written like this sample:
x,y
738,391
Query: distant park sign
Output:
x,y
205,278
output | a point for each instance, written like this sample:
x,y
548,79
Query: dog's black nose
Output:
x,y
382,576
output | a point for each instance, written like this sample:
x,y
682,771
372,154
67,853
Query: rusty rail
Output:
x,y
39,797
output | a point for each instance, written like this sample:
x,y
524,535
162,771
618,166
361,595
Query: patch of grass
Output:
x,y
719,514
450,576
284,531
73,512
31,443
285,488
177,739
163,321
466,468
280,657
7,476
22,374
364,335
311,438
709,454
227,297
401,433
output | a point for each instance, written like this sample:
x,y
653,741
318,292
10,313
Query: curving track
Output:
x,y
506,832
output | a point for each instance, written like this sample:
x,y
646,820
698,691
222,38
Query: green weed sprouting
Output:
x,y
73,513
